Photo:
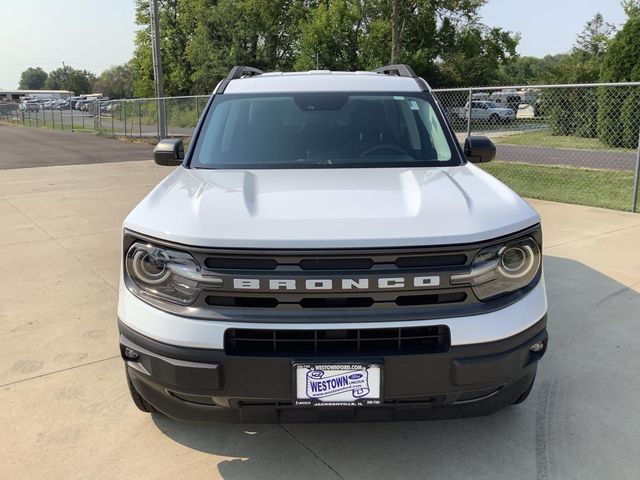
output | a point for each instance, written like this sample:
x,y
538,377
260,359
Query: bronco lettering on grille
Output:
x,y
381,283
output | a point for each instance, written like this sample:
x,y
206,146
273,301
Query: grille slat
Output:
x,y
336,301
347,342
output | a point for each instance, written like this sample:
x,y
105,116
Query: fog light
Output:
x,y
537,347
130,353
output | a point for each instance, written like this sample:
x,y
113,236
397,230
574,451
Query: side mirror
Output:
x,y
479,149
169,152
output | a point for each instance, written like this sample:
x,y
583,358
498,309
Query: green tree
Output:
x,y
525,70
174,37
330,38
117,81
617,108
584,63
594,38
442,39
202,39
622,60
261,33
67,78
33,78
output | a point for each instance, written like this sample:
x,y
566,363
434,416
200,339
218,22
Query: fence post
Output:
x,y
53,120
162,126
71,111
635,177
197,110
124,107
469,113
112,112
158,119
139,117
99,117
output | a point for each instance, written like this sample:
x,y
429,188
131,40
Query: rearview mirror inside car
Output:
x,y
169,152
479,149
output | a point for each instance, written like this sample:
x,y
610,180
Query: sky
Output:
x,y
97,34
548,26
85,34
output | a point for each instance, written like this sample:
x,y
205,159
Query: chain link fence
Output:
x,y
567,143
52,114
130,118
139,118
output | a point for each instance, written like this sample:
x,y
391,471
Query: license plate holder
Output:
x,y
346,384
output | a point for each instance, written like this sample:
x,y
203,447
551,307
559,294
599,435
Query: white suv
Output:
x,y
327,250
485,110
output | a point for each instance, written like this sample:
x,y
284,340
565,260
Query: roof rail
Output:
x,y
236,72
399,70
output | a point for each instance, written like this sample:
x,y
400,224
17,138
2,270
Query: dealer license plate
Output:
x,y
337,384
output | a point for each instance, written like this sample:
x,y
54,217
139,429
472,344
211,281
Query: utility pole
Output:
x,y
395,31
157,68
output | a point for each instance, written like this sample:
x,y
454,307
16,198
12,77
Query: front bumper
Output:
x,y
194,384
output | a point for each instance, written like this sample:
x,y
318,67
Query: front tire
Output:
x,y
523,396
139,402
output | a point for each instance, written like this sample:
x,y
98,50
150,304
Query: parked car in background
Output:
x,y
85,104
484,110
30,106
509,99
74,101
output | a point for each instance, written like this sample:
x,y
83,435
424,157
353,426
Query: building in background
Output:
x,y
16,95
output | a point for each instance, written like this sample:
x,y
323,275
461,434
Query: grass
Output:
x,y
595,188
50,125
543,138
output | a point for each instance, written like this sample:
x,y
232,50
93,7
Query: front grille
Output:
x,y
332,343
361,269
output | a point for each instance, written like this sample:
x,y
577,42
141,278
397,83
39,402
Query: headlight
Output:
x,y
502,269
163,273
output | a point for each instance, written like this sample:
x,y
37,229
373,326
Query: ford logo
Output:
x,y
355,376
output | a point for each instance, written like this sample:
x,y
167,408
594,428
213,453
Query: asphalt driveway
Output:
x,y
24,147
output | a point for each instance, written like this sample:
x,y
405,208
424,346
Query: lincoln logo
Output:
x,y
382,283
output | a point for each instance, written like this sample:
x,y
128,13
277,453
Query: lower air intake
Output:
x,y
351,342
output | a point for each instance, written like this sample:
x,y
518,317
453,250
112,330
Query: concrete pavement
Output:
x,y
66,412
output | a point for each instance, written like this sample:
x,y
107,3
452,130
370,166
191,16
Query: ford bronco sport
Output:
x,y
326,249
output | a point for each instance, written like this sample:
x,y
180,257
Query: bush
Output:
x,y
561,120
630,120
586,114
560,106
610,127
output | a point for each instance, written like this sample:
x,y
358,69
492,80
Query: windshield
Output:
x,y
492,105
322,130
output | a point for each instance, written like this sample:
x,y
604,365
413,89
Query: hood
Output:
x,y
330,208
